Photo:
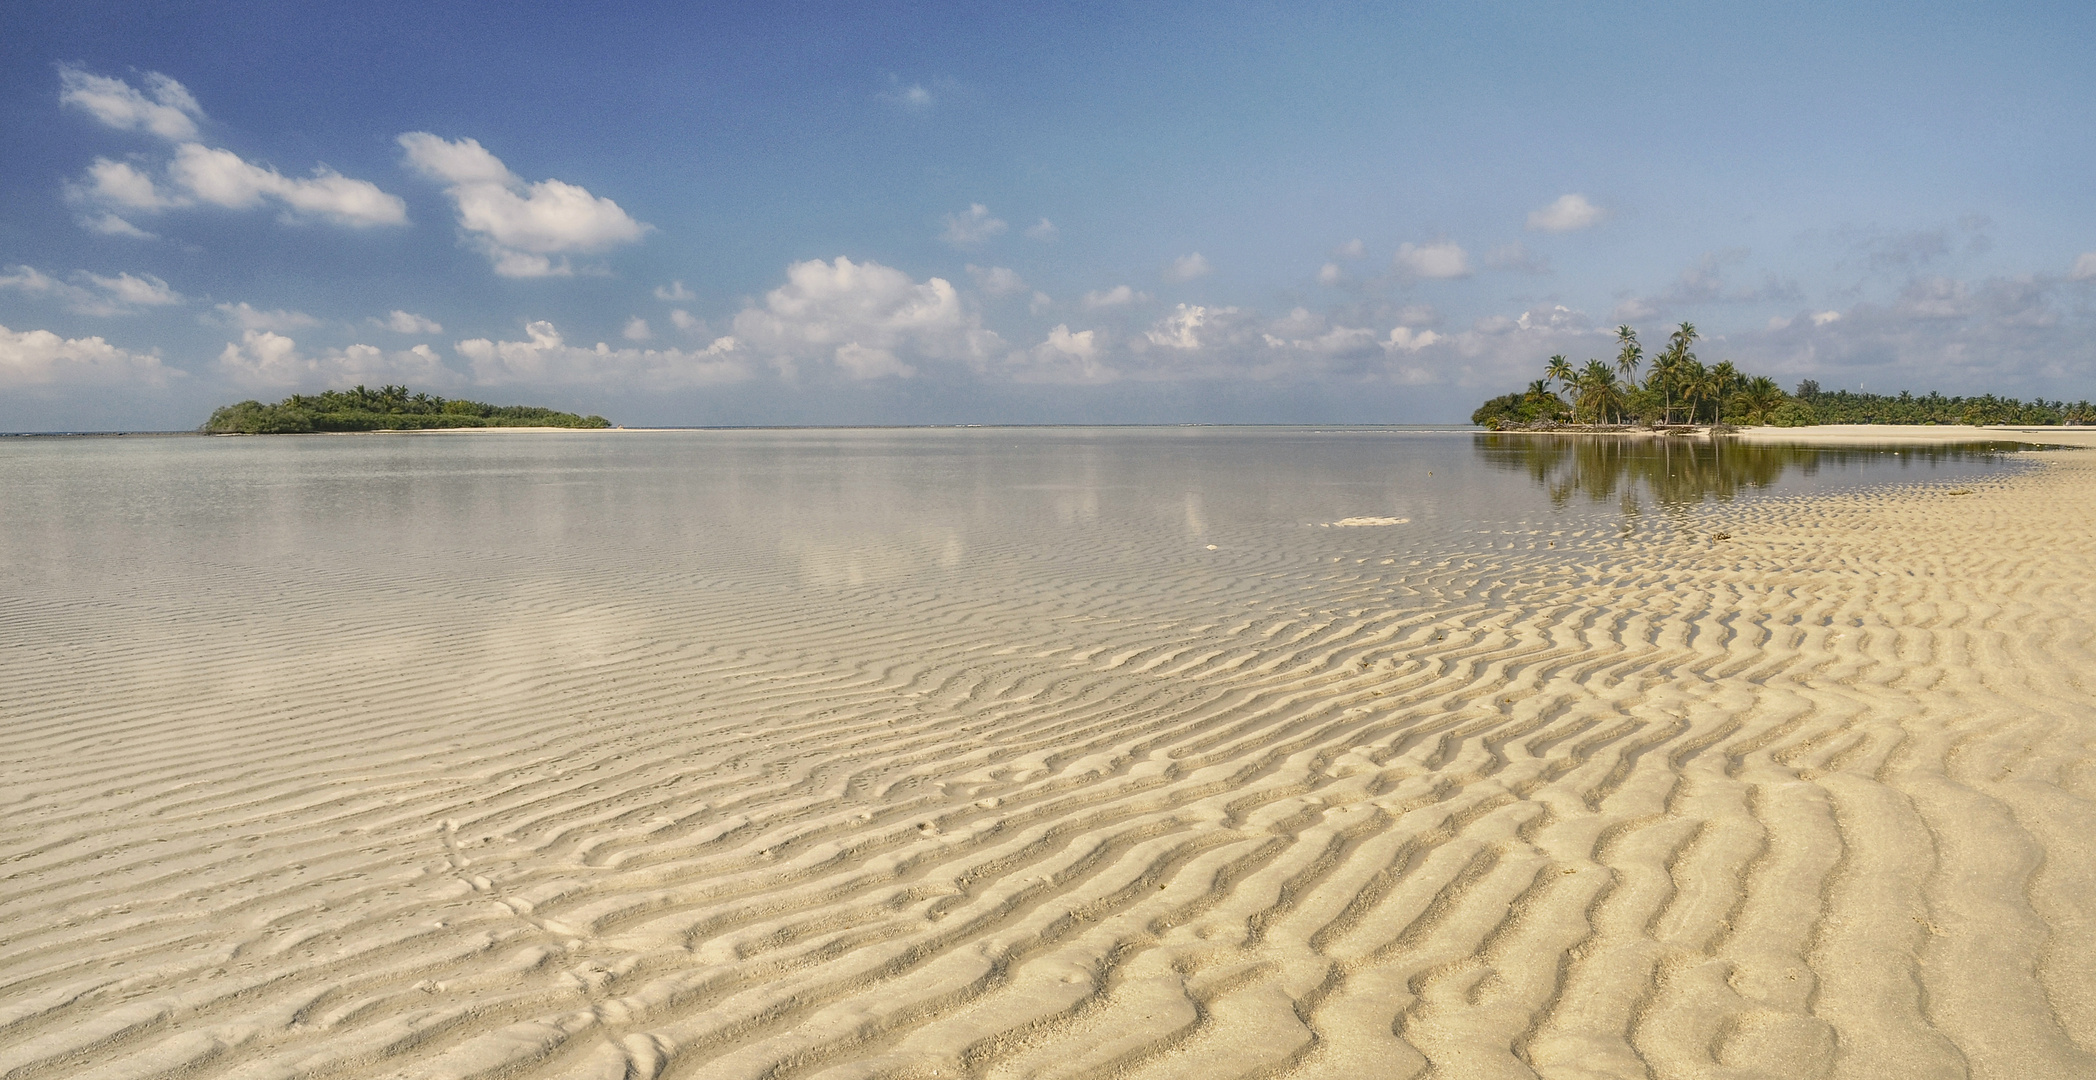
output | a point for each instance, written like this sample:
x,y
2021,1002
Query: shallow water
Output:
x,y
847,505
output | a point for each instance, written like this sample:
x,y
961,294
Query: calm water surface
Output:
x,y
89,516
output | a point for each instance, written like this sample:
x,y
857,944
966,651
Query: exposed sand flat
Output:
x,y
1815,799
1889,434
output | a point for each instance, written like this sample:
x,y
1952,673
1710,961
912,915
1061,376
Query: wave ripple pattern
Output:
x,y
1565,801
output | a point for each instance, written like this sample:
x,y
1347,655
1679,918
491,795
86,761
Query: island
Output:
x,y
388,408
1678,389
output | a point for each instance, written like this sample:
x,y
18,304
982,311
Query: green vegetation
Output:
x,y
388,408
1679,389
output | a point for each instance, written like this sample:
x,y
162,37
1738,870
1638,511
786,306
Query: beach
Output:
x,y
778,755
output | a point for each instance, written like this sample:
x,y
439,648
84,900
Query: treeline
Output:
x,y
388,408
1679,389
1854,407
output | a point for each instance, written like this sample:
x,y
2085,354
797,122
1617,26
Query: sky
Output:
x,y
899,213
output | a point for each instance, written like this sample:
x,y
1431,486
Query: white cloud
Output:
x,y
1118,296
242,316
1352,249
1188,267
637,330
547,359
1822,318
117,183
166,108
407,322
267,358
111,225
685,321
42,358
1633,309
913,96
1041,302
851,313
1181,329
2084,268
1330,274
1042,230
1569,213
972,227
520,225
996,280
1064,357
1406,339
198,173
1442,259
124,294
674,291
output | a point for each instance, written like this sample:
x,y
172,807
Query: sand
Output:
x,y
1789,787
1894,434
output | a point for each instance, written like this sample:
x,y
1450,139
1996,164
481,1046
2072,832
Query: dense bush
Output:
x,y
389,408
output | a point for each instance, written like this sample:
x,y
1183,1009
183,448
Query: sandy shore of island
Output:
x,y
1891,434
1787,787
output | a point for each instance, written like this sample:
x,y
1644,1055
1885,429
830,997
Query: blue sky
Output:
x,y
894,213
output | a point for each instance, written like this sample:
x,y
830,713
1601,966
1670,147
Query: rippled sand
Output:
x,y
1796,786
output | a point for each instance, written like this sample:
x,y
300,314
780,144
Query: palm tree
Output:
x,y
1722,379
1598,394
1761,394
1631,355
1561,370
1671,370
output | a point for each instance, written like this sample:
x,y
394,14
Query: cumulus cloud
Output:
x,y
1064,357
996,280
198,174
165,108
520,226
1352,249
861,316
1442,259
972,227
42,358
1118,296
1042,230
636,330
2084,268
267,358
687,322
1187,268
545,358
1330,274
93,294
407,322
224,178
1570,213
242,316
674,292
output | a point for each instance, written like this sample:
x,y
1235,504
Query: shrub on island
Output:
x,y
388,408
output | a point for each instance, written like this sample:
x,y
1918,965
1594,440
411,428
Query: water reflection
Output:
x,y
1672,472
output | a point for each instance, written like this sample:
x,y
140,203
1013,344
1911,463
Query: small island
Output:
x,y
388,408
1679,390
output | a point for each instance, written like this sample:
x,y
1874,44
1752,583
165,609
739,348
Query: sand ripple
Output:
x,y
1813,799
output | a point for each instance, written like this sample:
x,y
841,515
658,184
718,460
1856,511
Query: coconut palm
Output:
x,y
1760,394
1560,369
1672,367
1598,393
1630,355
1722,379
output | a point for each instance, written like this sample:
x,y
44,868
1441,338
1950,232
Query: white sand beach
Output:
x,y
1800,785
